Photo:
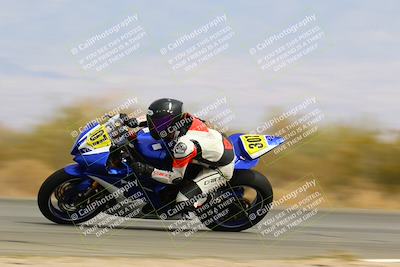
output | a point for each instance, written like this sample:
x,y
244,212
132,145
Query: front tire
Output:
x,y
250,215
47,191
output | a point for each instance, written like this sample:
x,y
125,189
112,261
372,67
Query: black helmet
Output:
x,y
161,115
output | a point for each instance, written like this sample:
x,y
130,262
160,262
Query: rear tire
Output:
x,y
260,183
45,193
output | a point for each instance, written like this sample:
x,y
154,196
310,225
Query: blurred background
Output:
x,y
47,93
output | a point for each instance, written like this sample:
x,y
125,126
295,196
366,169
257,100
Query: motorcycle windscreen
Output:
x,y
255,146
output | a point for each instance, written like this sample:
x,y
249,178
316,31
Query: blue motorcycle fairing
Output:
x,y
146,144
146,184
90,165
243,160
79,139
74,170
95,162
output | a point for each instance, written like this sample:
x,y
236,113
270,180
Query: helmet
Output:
x,y
161,115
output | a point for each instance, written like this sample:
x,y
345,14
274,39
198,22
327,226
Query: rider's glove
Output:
x,y
130,122
142,169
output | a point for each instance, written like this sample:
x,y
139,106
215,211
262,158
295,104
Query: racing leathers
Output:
x,y
197,146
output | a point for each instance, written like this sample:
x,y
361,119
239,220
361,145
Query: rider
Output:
x,y
202,158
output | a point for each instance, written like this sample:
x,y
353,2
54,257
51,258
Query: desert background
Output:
x,y
356,166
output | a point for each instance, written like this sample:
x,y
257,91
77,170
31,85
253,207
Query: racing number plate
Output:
x,y
254,145
99,138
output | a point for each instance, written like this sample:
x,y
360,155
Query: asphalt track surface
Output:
x,y
359,233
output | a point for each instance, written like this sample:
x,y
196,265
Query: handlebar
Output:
x,y
119,132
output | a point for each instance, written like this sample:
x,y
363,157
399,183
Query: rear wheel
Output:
x,y
240,205
65,199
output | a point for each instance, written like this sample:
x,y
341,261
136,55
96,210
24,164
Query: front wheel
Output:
x,y
240,205
65,199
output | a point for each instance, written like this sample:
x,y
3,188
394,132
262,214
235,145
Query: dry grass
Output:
x,y
353,166
22,178
114,261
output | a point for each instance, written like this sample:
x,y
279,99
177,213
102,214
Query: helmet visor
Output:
x,y
160,124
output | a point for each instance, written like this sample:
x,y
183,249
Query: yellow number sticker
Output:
x,y
255,145
99,138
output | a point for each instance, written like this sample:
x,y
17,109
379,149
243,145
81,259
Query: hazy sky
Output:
x,y
354,72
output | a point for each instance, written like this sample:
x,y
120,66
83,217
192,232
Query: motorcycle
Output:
x,y
102,180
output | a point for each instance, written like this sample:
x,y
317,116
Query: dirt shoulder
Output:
x,y
146,262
